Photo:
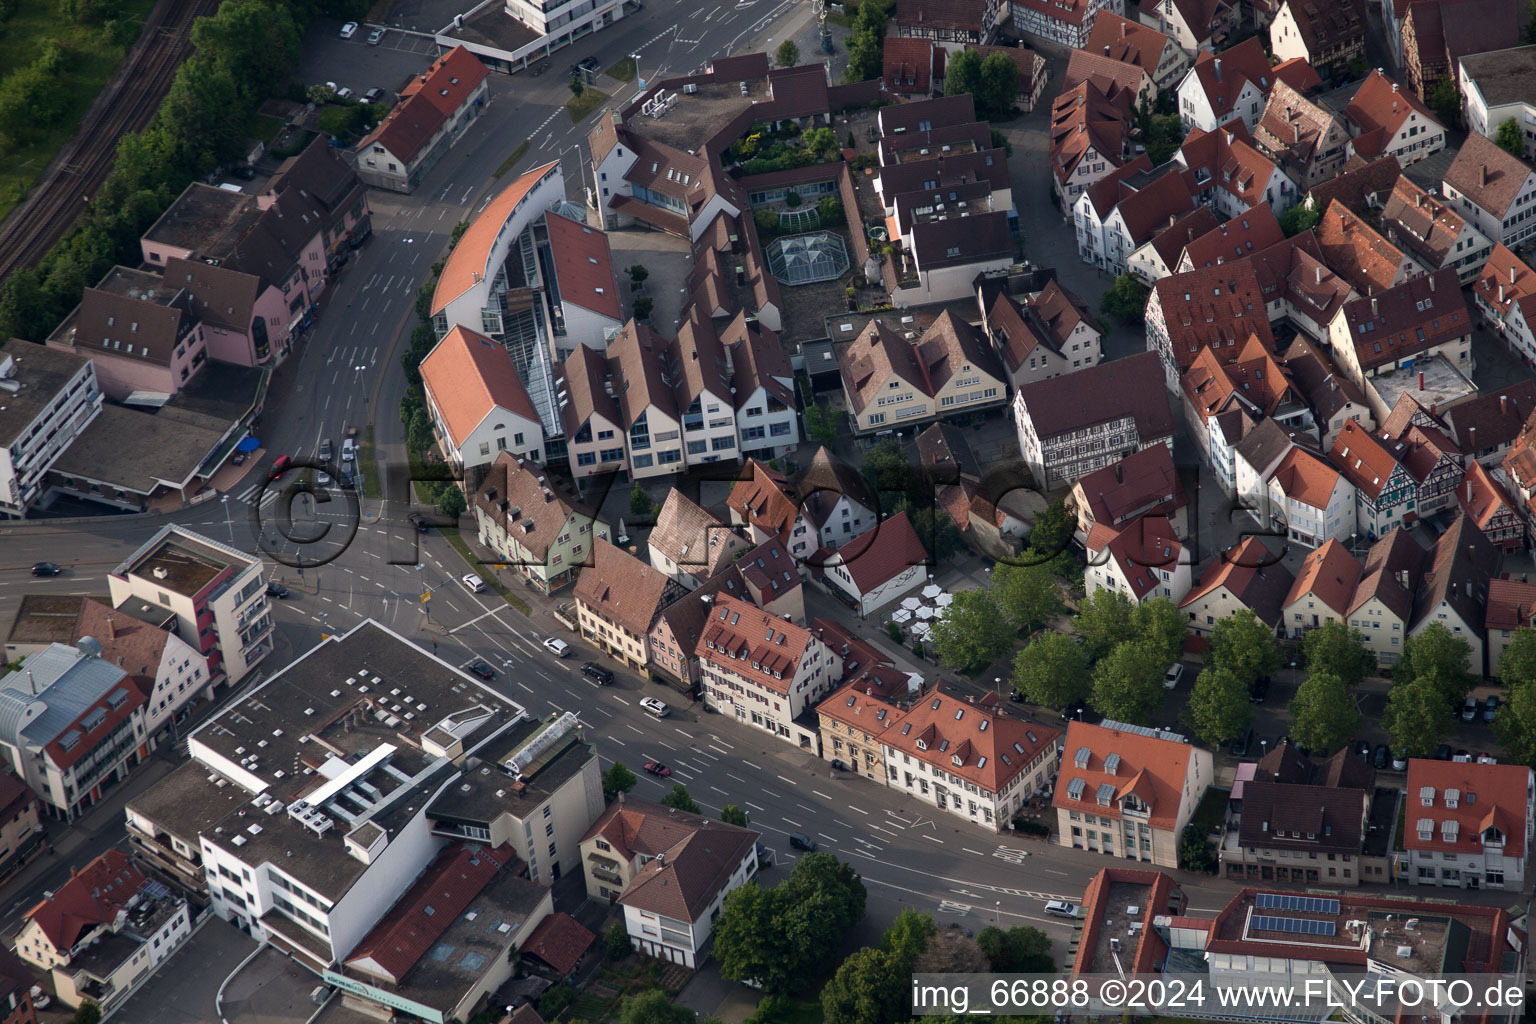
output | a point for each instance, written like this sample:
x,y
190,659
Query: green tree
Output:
x,y
830,209
1125,300
654,1006
554,1000
1195,851
870,987
1416,716
751,943
1338,650
892,474
907,937
644,305
616,943
1244,646
640,503
1160,625
963,74
1325,713
733,815
1445,101
678,799
782,938
973,631
1052,533
1019,950
820,425
1438,654
821,141
1299,218
418,433
451,502
1165,135
1517,665
1510,138
998,85
1104,620
938,532
1052,670
1218,708
617,779
1128,683
787,55
1515,724
576,87
638,273
1027,594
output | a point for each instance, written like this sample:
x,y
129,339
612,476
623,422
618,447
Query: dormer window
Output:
x,y
1427,796
957,760
922,744
1452,797
1426,829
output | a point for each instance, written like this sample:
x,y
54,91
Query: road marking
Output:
x,y
978,853
843,823
1010,855
681,732
525,686
821,794
632,729
738,778
794,823
783,779
615,739
805,808
621,700
725,752
717,789
951,907
826,837
933,839
855,807
749,764
752,805
722,742
888,832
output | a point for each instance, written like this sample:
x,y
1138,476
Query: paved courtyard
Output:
x,y
183,991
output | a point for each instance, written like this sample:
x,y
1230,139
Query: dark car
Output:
x,y
1016,697
1443,752
598,674
1490,709
591,64
46,569
657,768
1242,744
801,841
373,95
1382,757
481,668
1363,750
277,590
279,466
838,765
419,521
1258,691
245,172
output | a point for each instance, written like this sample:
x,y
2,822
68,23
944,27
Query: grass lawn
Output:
x,y
91,57
1212,810
265,127
623,70
372,488
462,547
580,106
507,164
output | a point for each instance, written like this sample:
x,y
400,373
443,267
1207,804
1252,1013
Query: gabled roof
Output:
x,y
970,738
873,358
1379,108
907,64
1251,575
428,101
1222,76
1361,187
949,345
1143,482
1099,394
1158,205
469,262
882,554
1068,12
758,360
1200,15
833,477
637,360
1482,498
1486,795
1093,116
1325,25
92,897
427,909
542,507
1328,574
688,535
1287,816
583,378
559,941
1212,307
1457,573
1326,390
1239,237
1306,478
1254,382
470,377
1292,127
1138,549
1511,605
758,645
941,14
1392,560
1413,317
1364,460
1487,175
1227,159
623,588
1421,223
1357,252
1490,418
1162,763
215,294
1506,281
1171,242
764,498
583,266
1127,41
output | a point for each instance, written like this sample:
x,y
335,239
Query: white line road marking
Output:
x,y
978,853
783,779
723,743
794,823
805,808
717,789
854,807
632,729
888,832
749,764
615,739
843,823
526,687
951,907
826,837
933,839
752,805
821,794
621,700
727,753
681,732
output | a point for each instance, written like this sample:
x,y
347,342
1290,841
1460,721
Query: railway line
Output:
x,y
130,99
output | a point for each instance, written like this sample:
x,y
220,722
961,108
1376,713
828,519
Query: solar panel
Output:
x,y
1288,901
1294,925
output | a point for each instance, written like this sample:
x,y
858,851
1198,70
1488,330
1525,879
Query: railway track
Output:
x,y
130,99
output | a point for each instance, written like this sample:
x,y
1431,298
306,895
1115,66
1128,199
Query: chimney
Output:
x,y
1418,199
1471,435
1421,380
1106,49
1125,29
1319,273
1394,87
1402,578
1119,474
1218,69
1373,305
1296,131
112,629
1511,275
1503,411
1469,492
1431,282
1482,175
1501,295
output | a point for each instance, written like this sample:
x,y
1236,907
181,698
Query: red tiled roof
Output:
x,y
1238,65
1501,794
1250,574
468,263
1128,41
1511,605
1102,393
1306,478
1410,318
92,897
970,739
128,696
765,499
1328,574
583,266
470,376
1143,759
1136,484
429,907
737,633
449,81
1139,549
559,941
1212,307
907,64
1506,280
1482,497
623,588
1241,236
1364,460
1355,251
883,553
1381,105
1084,66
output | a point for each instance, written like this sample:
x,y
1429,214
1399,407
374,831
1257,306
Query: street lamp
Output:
x,y
639,82
999,913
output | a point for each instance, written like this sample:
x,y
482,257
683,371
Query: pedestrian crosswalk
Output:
x,y
250,494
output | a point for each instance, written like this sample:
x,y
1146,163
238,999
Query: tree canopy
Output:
x,y
1245,647
1027,594
973,632
1162,626
1125,300
1325,713
617,779
1128,682
781,938
1019,950
1104,619
1338,650
1439,655
1416,716
1052,670
1218,708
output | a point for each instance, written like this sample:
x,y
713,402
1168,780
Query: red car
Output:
x,y
279,467
657,768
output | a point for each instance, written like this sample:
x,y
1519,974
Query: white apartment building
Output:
x,y
1493,189
216,594
1497,86
477,404
1469,825
1311,500
765,671
49,396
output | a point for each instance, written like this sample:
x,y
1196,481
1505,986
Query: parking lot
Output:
x,y
360,67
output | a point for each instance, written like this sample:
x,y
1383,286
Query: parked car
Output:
x,y
657,768
1242,744
1483,758
474,584
374,95
376,37
559,648
1173,675
1462,756
348,450
46,569
481,668
591,64
1061,908
343,93
1399,762
1258,691
326,452
1469,709
418,520
1490,708
801,841
596,673
1382,757
655,707
279,466
838,765
277,590
1443,752
349,30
